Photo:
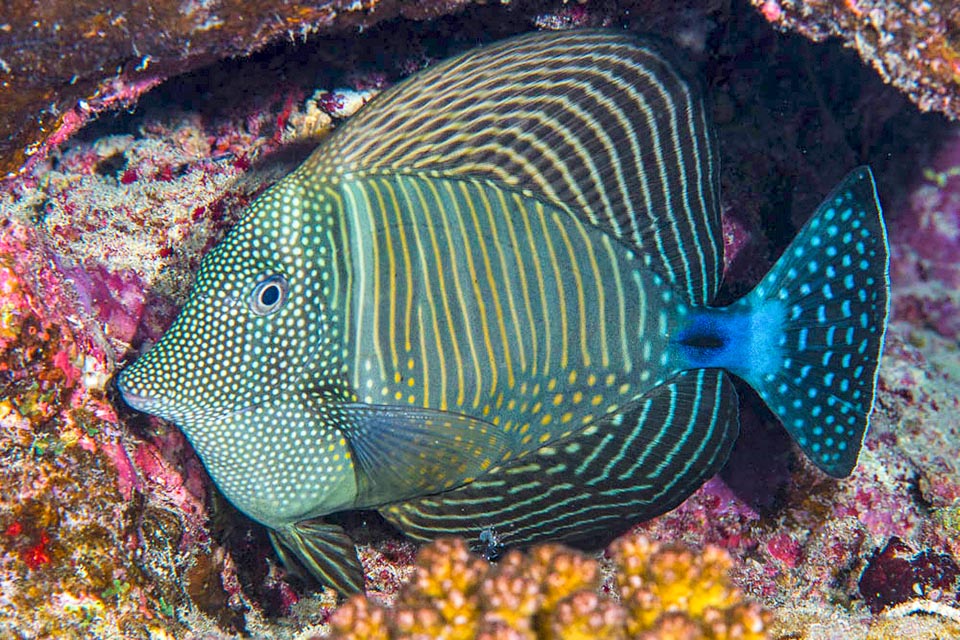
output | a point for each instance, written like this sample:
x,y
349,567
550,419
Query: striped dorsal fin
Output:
x,y
591,486
598,123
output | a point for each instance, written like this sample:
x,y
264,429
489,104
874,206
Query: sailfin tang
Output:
x,y
402,452
325,550
599,124
628,467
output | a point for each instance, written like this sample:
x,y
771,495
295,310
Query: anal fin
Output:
x,y
591,486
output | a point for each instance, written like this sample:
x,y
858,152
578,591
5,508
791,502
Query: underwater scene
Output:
x,y
464,320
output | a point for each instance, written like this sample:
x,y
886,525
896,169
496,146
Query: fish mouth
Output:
x,y
138,401
161,407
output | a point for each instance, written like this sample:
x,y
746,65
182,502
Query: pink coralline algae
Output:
x,y
785,549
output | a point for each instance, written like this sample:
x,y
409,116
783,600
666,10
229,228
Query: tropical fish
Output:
x,y
483,307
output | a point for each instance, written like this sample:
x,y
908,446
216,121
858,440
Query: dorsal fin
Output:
x,y
599,123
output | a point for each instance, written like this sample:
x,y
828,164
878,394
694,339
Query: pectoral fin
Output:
x,y
406,452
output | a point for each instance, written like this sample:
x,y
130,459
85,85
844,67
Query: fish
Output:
x,y
485,307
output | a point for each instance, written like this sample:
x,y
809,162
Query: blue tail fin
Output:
x,y
808,338
830,291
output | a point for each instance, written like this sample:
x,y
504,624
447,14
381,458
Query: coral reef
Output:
x,y
65,62
68,548
555,593
914,46
110,528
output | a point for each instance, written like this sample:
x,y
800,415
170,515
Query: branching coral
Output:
x,y
551,593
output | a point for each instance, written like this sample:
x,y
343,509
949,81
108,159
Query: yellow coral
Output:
x,y
673,626
561,572
742,621
671,591
511,596
551,593
359,619
585,616
441,601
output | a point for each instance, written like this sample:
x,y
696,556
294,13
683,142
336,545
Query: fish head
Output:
x,y
253,321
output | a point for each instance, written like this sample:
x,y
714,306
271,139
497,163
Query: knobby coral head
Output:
x,y
554,592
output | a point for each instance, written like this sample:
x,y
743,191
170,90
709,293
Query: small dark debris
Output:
x,y
112,166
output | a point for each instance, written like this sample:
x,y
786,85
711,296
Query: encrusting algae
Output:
x,y
65,525
555,593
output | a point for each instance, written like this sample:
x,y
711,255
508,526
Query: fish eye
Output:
x,y
268,294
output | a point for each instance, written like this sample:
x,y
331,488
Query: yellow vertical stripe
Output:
x,y
425,360
400,229
457,215
562,232
494,285
389,288
480,240
441,345
450,256
521,273
601,299
544,316
624,331
561,308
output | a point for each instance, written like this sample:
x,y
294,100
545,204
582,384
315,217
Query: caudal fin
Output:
x,y
824,306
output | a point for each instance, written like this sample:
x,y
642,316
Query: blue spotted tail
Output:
x,y
808,338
